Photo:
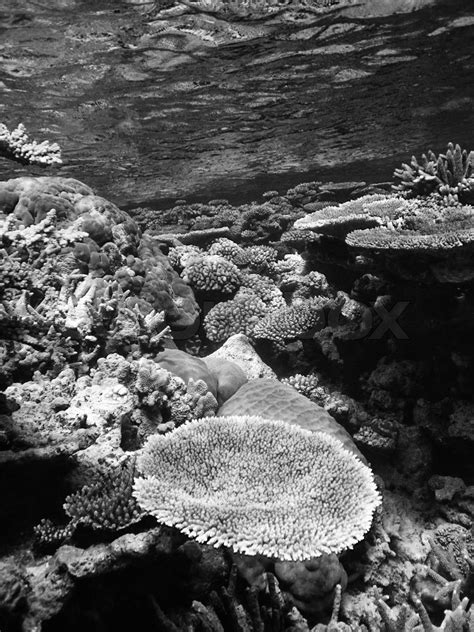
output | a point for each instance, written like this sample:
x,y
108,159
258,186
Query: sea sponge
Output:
x,y
257,486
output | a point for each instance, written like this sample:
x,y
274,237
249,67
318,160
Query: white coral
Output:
x,y
257,486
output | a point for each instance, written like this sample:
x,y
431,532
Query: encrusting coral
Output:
x,y
18,146
232,482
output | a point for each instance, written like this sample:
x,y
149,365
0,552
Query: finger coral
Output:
x,y
450,175
257,486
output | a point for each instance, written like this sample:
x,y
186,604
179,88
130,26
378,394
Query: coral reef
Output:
x,y
214,498
79,280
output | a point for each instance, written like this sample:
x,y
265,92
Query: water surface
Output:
x,y
150,107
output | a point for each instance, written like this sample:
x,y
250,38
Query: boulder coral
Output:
x,y
271,399
257,486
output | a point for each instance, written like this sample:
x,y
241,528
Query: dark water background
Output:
x,y
147,113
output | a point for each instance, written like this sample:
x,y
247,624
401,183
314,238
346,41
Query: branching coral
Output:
x,y
229,250
233,482
450,175
18,146
212,273
108,502
292,321
239,315
264,288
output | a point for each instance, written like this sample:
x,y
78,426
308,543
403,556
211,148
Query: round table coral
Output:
x,y
257,486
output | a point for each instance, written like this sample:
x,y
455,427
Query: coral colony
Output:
x,y
262,421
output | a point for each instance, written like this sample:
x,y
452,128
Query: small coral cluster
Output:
x,y
449,175
107,502
18,146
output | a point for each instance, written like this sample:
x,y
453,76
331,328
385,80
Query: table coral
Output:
x,y
223,491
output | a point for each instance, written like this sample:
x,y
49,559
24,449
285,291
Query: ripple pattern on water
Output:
x,y
156,105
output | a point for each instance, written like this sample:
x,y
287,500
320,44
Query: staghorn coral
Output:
x,y
106,503
239,315
450,175
18,146
224,490
212,273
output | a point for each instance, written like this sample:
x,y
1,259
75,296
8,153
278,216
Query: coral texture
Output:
x,y
106,503
18,146
257,486
271,399
450,175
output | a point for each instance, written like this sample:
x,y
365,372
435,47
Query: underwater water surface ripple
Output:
x,y
151,105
